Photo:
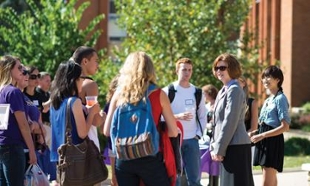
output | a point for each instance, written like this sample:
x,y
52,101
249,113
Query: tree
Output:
x,y
45,35
167,30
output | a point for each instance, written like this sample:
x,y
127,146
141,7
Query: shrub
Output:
x,y
297,146
306,107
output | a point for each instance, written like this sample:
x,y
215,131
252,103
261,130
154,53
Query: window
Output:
x,y
114,32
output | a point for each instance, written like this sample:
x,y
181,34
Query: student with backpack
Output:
x,y
134,111
187,103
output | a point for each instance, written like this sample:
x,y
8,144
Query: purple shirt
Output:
x,y
33,111
13,96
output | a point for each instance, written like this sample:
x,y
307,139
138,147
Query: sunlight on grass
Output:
x,y
295,161
291,162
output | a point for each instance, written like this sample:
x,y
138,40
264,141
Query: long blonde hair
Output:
x,y
135,76
7,63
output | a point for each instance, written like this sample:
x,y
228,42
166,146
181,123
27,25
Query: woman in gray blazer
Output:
x,y
231,144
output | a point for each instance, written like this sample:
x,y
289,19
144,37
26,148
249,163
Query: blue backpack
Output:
x,y
133,130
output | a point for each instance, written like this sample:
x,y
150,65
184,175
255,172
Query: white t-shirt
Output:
x,y
93,135
184,101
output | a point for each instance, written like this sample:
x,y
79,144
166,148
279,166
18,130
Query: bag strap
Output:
x,y
42,134
198,95
68,121
171,92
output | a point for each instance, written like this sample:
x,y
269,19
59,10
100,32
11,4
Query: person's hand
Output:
x,y
257,138
187,116
114,180
253,133
32,158
216,157
33,125
94,109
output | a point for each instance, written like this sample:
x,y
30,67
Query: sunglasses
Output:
x,y
25,72
221,68
34,76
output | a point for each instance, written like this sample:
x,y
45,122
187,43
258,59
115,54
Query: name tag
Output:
x,y
36,102
189,102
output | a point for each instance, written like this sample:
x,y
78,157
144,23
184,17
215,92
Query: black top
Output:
x,y
38,98
248,114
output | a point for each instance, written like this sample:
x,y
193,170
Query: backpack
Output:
x,y
197,94
133,130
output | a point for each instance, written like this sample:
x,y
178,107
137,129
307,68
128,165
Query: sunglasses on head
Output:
x,y
34,76
221,68
25,72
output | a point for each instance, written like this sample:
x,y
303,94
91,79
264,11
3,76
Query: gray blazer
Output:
x,y
229,111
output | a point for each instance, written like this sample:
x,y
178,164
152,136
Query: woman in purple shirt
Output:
x,y
17,136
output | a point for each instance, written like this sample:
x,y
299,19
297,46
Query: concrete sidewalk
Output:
x,y
286,178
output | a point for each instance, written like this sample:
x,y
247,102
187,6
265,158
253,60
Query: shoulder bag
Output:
x,y
81,164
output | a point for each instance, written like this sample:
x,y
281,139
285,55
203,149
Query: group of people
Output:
x,y
230,118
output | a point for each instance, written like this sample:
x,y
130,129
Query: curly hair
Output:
x,y
135,76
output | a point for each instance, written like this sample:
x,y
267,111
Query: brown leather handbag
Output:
x,y
82,164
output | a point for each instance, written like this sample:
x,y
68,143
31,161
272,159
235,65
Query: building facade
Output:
x,y
282,28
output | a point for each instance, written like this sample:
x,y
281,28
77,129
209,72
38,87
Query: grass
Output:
x,y
291,162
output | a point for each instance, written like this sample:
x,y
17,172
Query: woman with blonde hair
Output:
x,y
136,75
17,136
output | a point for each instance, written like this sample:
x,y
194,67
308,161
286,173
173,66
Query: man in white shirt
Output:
x,y
184,109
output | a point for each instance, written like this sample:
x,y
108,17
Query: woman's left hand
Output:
x,y
216,157
257,138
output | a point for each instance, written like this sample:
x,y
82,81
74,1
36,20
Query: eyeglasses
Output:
x,y
221,68
34,76
25,72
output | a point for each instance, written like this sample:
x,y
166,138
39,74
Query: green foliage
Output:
x,y
306,128
45,35
297,146
306,107
168,30
108,68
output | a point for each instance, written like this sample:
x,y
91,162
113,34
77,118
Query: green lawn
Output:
x,y
292,162
295,161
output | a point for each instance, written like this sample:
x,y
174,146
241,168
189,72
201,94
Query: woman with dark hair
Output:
x,y
207,164
274,120
17,136
65,88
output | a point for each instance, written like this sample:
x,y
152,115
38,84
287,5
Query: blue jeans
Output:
x,y
191,162
151,170
12,167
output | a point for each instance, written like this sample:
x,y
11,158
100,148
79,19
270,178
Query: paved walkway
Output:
x,y
286,178
289,178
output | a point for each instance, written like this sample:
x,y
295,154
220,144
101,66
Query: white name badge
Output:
x,y
36,102
4,116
